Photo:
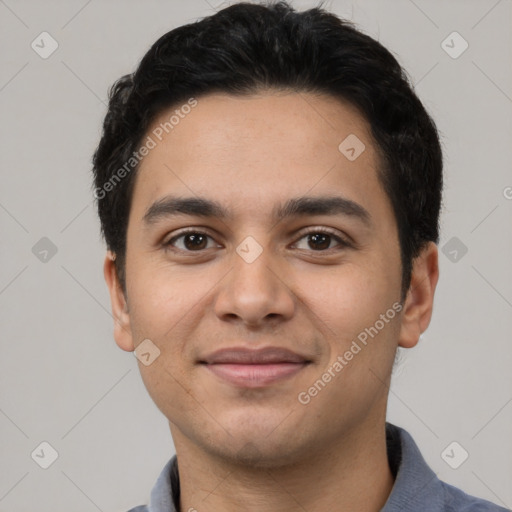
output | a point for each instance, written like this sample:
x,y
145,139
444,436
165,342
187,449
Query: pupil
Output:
x,y
320,236
196,241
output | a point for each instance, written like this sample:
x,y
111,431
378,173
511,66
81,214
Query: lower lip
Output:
x,y
255,375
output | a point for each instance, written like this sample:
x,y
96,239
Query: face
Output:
x,y
294,246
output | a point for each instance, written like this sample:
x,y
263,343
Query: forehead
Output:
x,y
252,152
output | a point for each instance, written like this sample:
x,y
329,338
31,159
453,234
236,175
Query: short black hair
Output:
x,y
246,48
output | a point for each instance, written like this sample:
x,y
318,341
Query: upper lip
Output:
x,y
243,355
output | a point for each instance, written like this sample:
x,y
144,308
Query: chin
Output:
x,y
256,455
261,447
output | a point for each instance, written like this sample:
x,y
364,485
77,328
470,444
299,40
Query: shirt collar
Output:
x,y
415,483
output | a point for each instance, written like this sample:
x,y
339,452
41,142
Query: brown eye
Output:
x,y
321,240
189,241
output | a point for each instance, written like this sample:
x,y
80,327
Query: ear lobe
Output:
x,y
418,306
122,328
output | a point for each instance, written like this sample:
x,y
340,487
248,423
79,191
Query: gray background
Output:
x,y
62,378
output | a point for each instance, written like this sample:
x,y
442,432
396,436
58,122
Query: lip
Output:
x,y
255,375
243,355
253,368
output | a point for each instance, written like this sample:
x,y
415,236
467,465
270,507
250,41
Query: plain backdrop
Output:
x,y
64,381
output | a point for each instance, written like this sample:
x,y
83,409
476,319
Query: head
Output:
x,y
256,110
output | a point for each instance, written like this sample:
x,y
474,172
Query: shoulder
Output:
x,y
165,494
417,487
458,501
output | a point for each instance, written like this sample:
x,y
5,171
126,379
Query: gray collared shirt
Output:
x,y
416,487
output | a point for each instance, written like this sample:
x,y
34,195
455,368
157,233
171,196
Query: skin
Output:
x,y
261,449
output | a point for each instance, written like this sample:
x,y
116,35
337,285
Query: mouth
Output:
x,y
255,375
254,368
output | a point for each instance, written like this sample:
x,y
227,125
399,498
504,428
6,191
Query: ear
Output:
x,y
122,328
419,301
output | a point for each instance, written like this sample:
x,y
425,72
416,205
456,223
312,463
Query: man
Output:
x,y
269,189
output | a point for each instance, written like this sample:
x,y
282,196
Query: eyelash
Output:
x,y
343,243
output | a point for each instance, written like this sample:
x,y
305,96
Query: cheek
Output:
x,y
351,294
349,302
169,307
165,310
162,298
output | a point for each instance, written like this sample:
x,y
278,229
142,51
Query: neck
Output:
x,y
352,474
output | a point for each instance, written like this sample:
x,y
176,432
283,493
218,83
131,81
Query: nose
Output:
x,y
255,293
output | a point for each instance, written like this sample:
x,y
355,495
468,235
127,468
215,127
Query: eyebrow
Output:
x,y
170,206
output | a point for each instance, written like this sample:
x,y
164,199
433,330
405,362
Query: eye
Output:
x,y
193,240
320,239
190,241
